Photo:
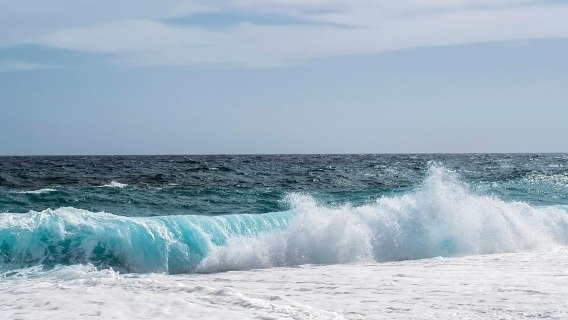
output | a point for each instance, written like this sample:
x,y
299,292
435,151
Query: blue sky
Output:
x,y
275,76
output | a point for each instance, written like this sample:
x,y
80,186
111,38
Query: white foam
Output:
x,y
443,217
529,285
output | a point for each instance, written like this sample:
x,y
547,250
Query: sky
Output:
x,y
283,76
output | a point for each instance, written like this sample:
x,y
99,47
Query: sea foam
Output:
x,y
441,217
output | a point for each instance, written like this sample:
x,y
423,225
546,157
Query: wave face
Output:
x,y
441,217
174,244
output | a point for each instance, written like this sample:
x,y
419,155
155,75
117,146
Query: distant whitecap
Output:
x,y
40,191
114,184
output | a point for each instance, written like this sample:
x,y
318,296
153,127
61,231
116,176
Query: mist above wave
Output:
x,y
443,217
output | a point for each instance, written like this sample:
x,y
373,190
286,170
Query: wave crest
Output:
x,y
115,184
39,191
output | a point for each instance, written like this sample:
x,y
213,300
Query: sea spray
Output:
x,y
441,218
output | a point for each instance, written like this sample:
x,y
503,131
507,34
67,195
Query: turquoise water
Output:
x,y
181,214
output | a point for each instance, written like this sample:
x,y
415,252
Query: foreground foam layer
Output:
x,y
440,218
529,285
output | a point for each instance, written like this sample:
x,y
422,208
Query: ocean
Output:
x,y
425,236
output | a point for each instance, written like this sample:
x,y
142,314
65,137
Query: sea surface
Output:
x,y
440,236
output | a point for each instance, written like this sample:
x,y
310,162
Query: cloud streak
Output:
x,y
11,66
360,27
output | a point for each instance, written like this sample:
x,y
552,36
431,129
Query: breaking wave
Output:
x,y
442,217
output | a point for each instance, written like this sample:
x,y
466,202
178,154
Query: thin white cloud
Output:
x,y
355,27
26,20
11,66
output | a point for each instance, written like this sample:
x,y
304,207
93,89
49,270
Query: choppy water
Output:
x,y
186,214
